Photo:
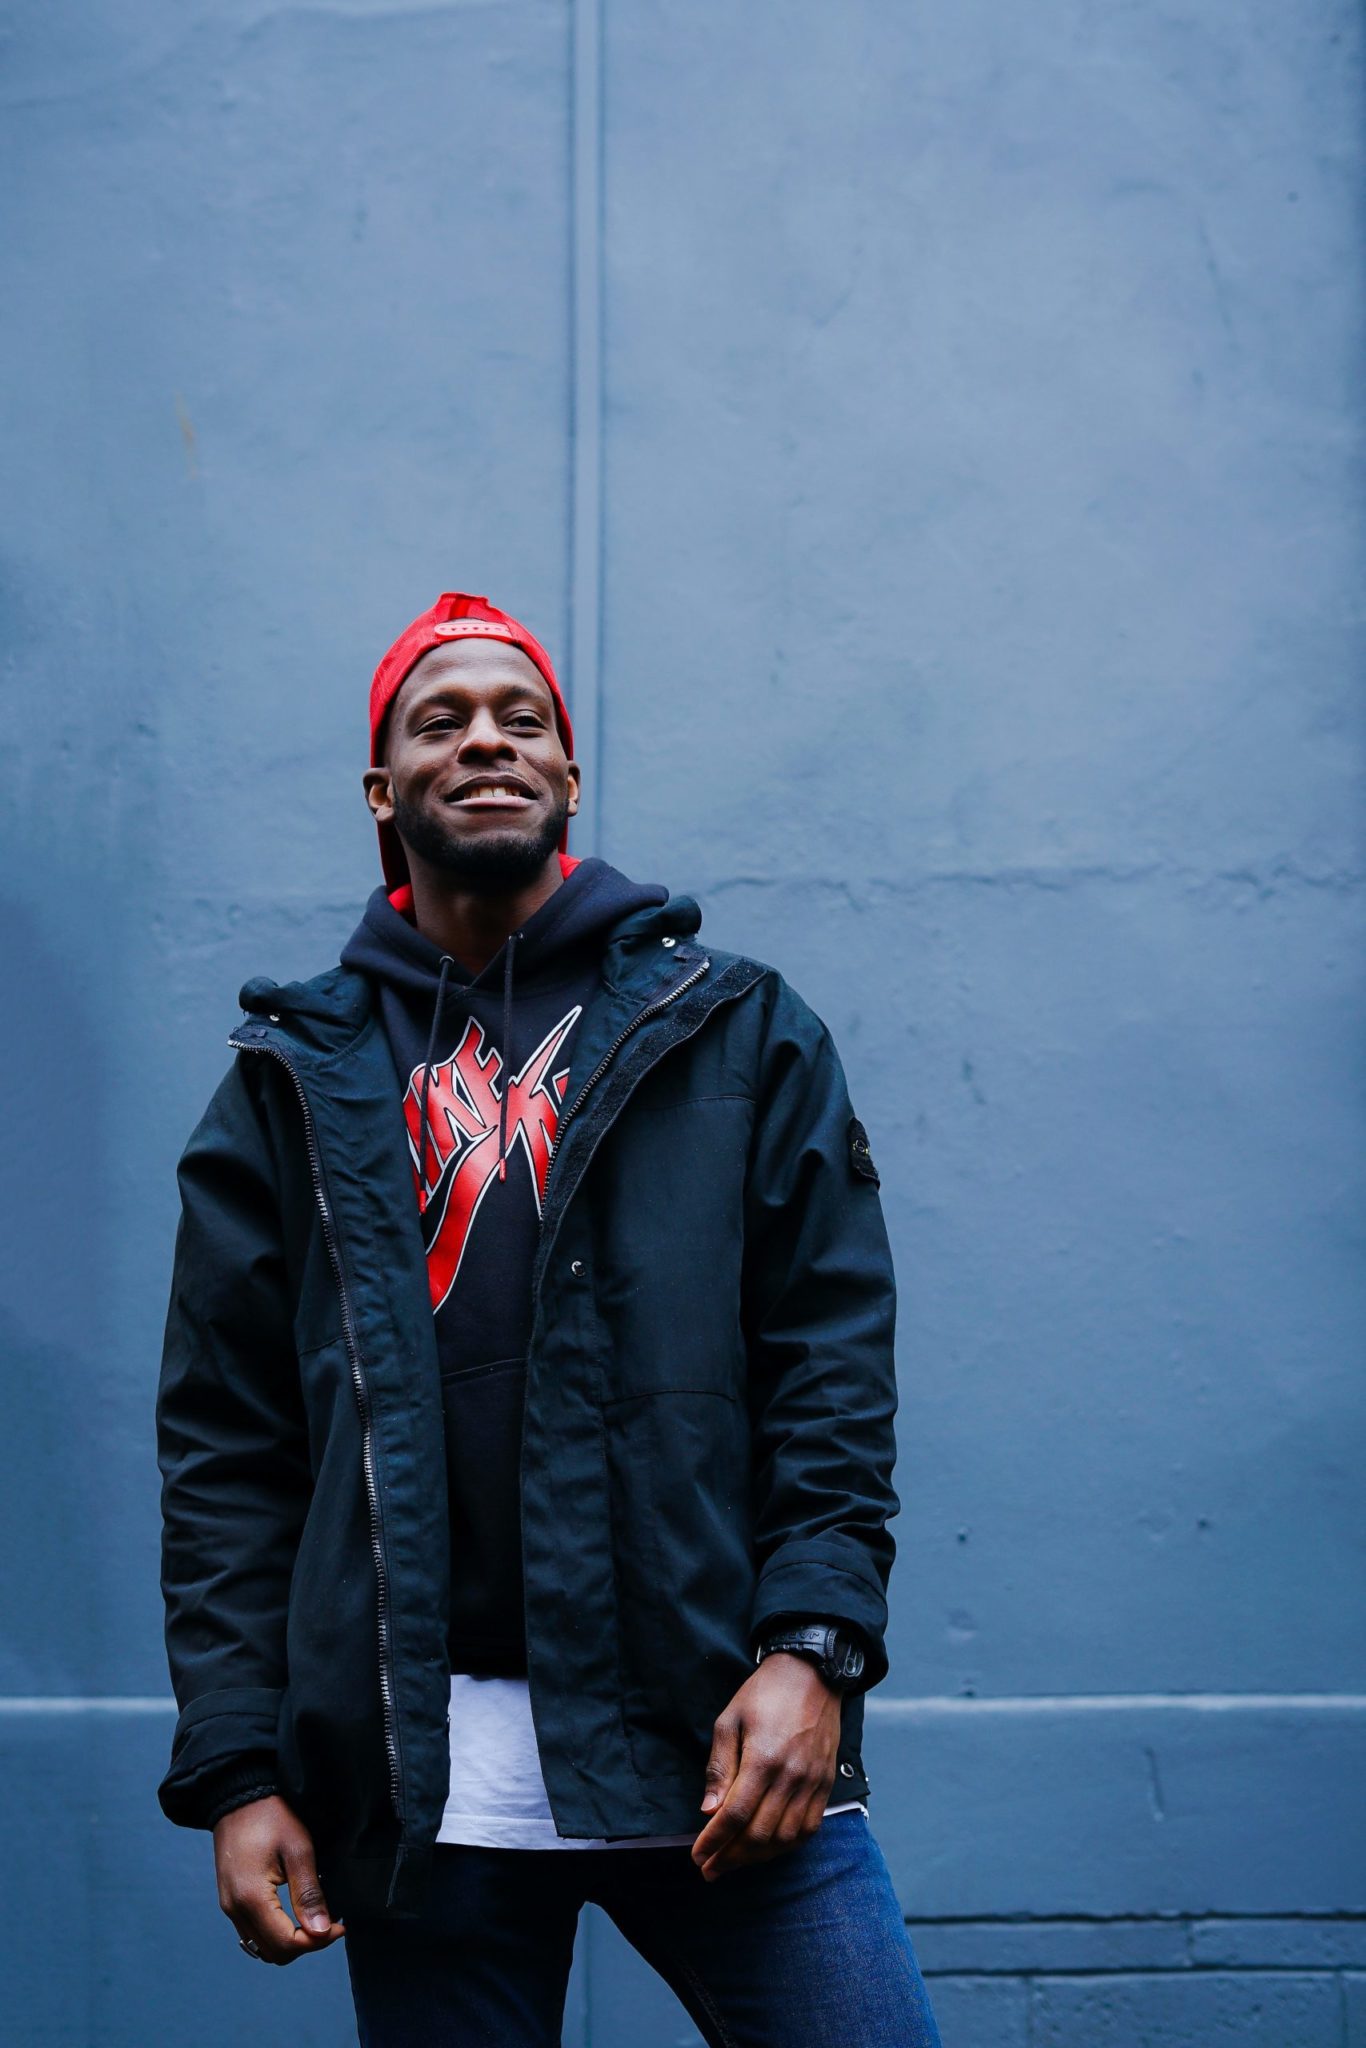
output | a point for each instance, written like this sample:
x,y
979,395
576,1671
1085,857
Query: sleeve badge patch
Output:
x,y
860,1153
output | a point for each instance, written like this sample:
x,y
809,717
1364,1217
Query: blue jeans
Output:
x,y
808,1950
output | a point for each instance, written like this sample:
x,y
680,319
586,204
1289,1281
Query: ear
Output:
x,y
379,795
575,787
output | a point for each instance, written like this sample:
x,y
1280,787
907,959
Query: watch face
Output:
x,y
846,1653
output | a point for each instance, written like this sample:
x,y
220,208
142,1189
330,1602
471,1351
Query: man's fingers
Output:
x,y
815,1808
263,1919
752,1839
305,1889
260,1917
266,1922
788,1813
729,1820
741,1803
723,1762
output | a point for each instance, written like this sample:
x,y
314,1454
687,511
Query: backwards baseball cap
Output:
x,y
455,616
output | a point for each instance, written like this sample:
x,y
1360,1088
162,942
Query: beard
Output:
x,y
490,861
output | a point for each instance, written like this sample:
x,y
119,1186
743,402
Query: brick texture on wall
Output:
x,y
1173,1983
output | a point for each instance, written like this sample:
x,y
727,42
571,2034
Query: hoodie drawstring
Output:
x,y
507,1058
424,1130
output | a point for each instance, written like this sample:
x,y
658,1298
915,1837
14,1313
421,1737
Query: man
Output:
x,y
526,1428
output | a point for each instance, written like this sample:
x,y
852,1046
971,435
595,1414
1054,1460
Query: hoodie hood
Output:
x,y
561,943
325,1012
593,897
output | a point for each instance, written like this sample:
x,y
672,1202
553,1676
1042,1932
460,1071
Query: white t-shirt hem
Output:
x,y
497,1796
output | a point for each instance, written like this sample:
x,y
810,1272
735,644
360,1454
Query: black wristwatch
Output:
x,y
835,1651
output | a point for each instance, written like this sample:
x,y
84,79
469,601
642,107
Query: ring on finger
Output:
x,y
246,1942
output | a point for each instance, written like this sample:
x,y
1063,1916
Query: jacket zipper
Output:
x,y
641,1017
362,1392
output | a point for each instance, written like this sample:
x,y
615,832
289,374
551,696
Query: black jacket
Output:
x,y
708,1434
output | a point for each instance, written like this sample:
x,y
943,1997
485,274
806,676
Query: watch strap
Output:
x,y
833,1649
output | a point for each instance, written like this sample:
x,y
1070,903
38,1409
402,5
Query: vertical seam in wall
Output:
x,y
587,1938
585,426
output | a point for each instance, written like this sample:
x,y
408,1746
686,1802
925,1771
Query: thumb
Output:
x,y
723,1762
305,1888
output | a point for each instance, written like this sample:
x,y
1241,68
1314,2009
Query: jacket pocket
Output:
x,y
482,1409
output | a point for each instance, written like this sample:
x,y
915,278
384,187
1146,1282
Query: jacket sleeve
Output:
x,y
232,1450
819,1311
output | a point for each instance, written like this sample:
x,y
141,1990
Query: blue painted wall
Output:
x,y
933,440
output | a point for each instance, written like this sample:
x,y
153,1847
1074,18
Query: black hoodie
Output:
x,y
486,1151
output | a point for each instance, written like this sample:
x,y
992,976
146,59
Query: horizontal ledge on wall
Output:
x,y
934,1707
86,1703
1068,1947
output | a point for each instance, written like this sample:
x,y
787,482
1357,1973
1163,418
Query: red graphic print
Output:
x,y
463,1099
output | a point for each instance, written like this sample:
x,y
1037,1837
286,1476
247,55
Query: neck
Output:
x,y
472,924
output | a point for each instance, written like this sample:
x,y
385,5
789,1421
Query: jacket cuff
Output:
x,y
221,1739
807,1581
239,1785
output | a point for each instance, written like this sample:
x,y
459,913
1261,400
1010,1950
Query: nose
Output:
x,y
483,736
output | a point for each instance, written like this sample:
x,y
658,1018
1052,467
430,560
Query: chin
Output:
x,y
488,857
495,858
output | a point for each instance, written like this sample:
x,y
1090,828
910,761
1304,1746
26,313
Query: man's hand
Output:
x,y
256,1848
771,1767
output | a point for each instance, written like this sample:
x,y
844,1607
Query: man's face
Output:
x,y
475,778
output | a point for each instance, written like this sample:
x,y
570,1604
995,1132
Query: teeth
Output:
x,y
493,789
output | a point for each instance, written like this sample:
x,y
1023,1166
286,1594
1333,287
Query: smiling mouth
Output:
x,y
491,795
